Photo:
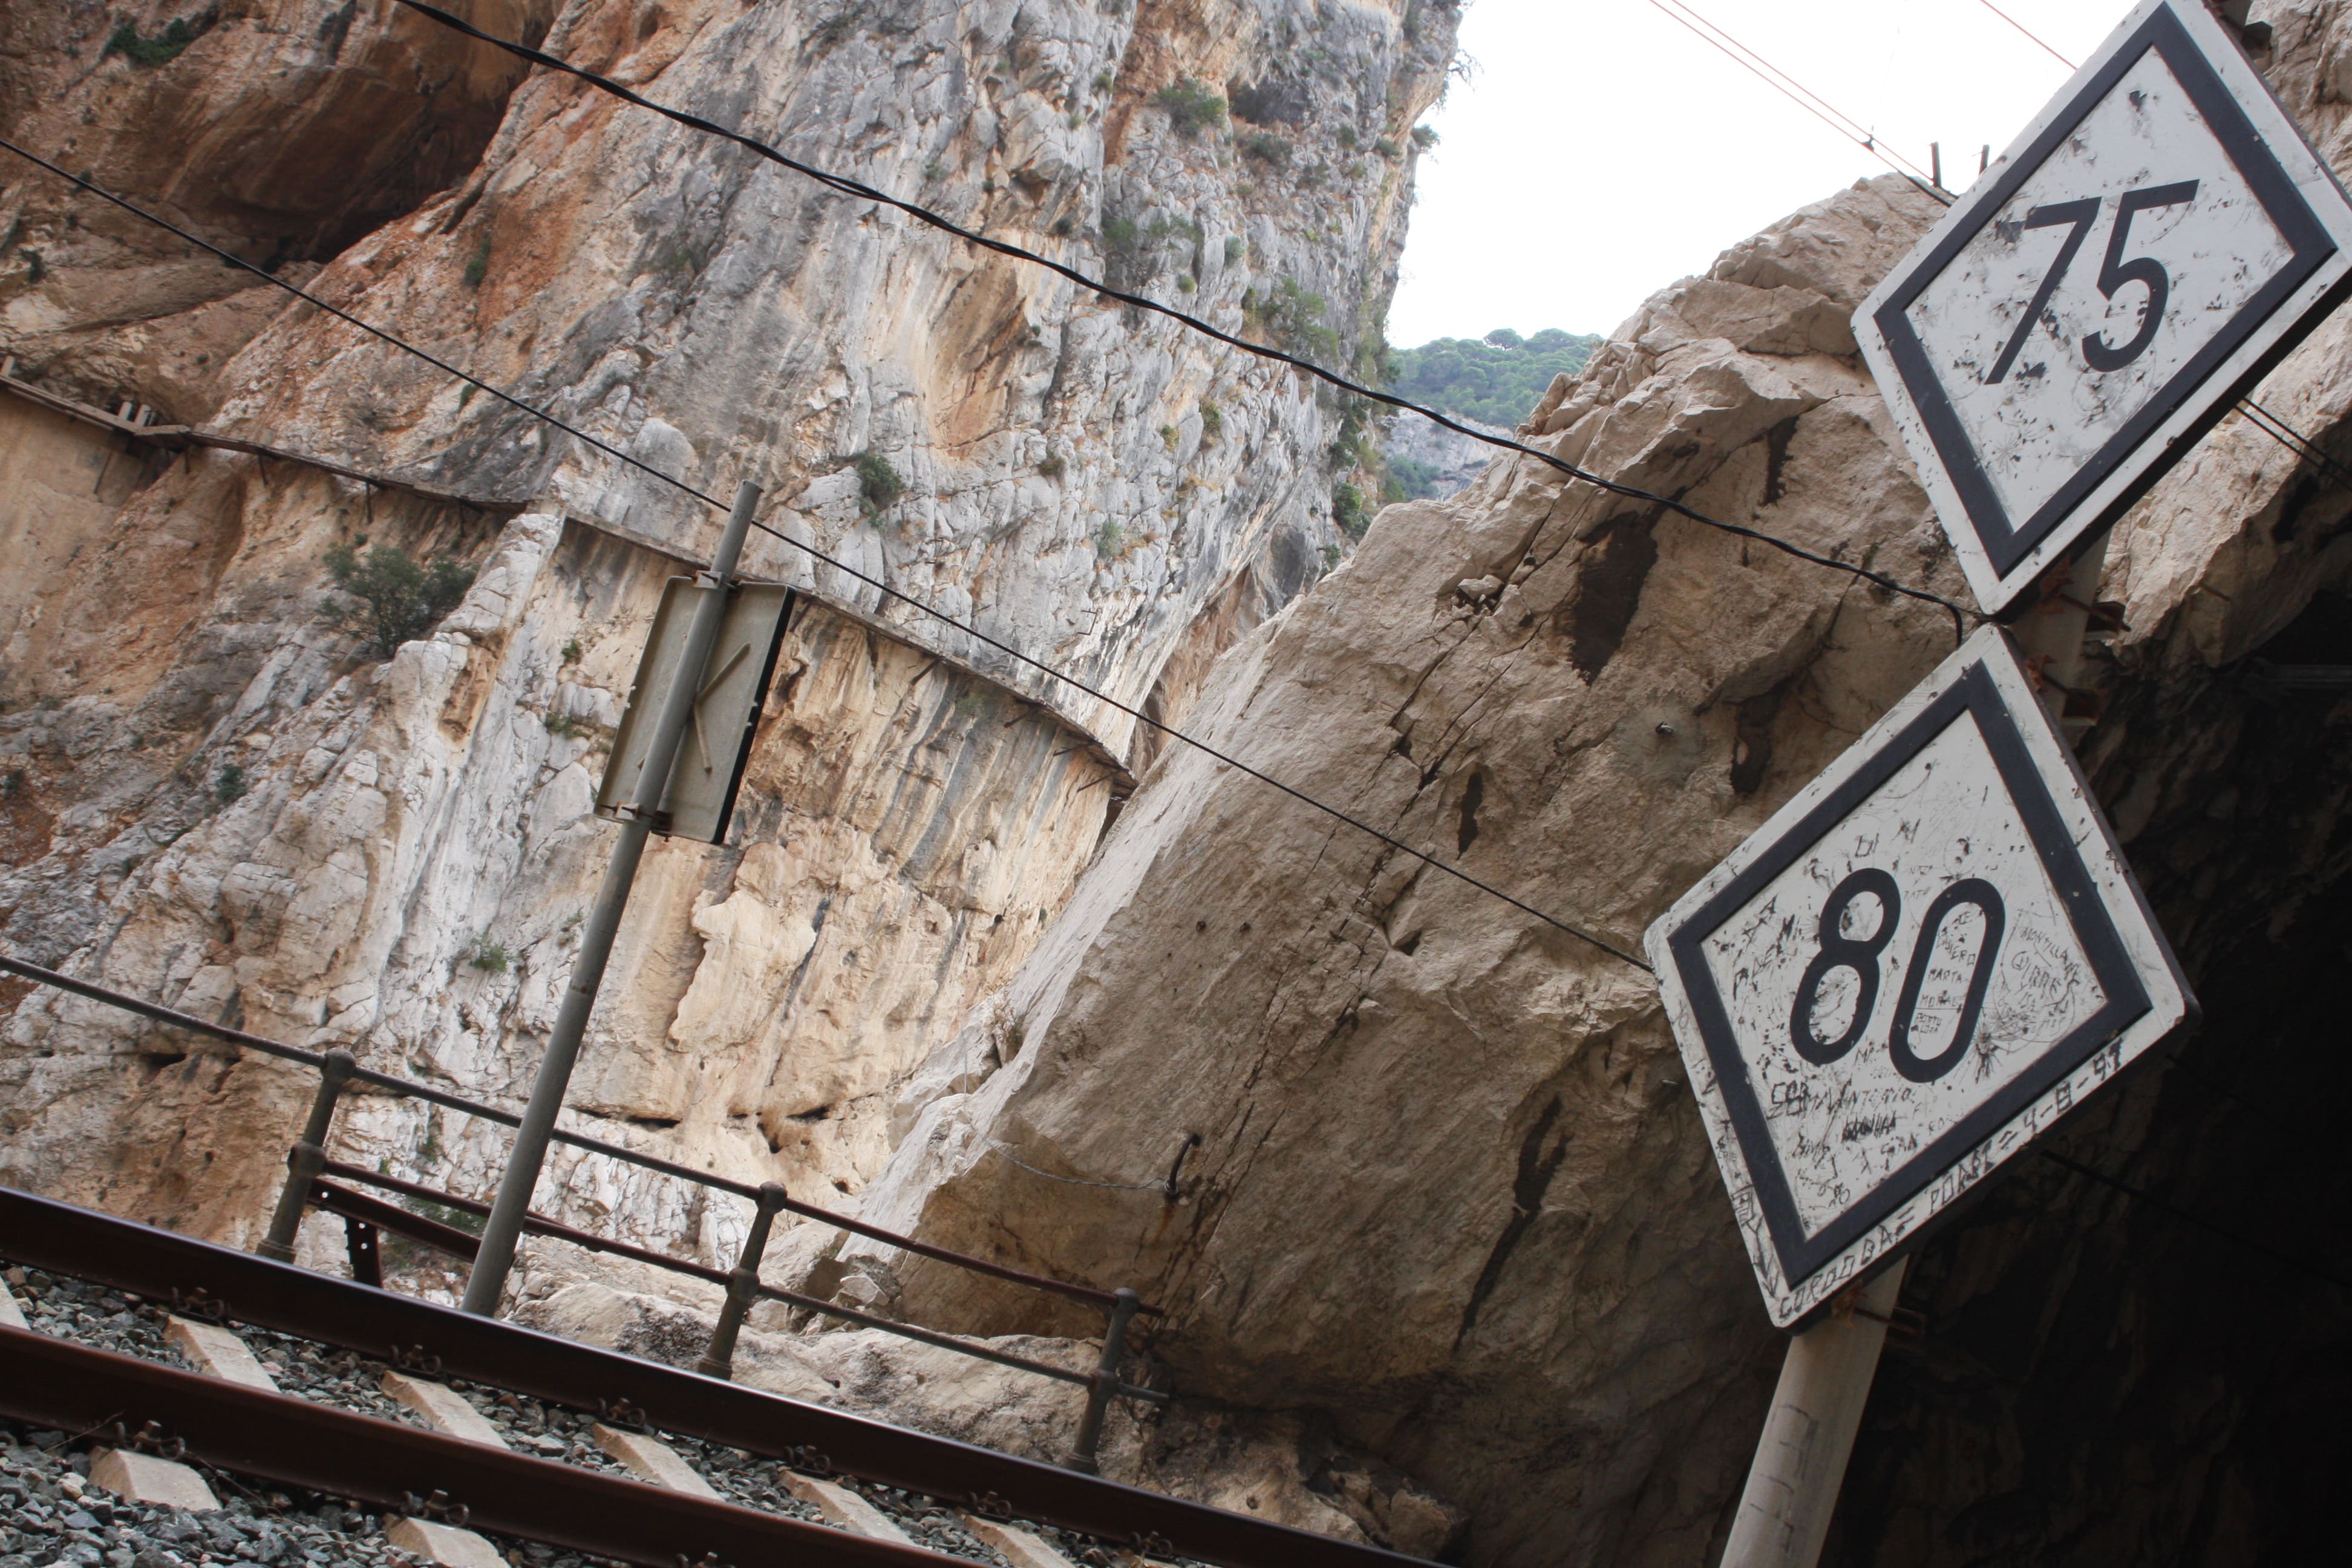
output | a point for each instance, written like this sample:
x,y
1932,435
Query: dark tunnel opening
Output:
x,y
2151,1362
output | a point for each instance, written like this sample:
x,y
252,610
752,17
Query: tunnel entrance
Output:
x,y
2139,1345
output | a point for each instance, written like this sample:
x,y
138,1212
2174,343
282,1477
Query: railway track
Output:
x,y
556,1446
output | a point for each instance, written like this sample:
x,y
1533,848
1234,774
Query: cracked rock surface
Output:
x,y
1449,1184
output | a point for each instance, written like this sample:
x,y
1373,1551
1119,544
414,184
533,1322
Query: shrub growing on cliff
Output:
x,y
1267,147
1292,318
229,786
477,266
393,599
1347,509
879,487
164,47
1191,107
1408,478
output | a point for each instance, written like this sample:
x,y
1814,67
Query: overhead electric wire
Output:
x,y
2275,1254
860,189
1804,98
2293,440
2262,418
2029,32
811,550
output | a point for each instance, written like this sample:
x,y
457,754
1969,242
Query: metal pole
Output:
x,y
1792,1488
742,1286
1104,1384
306,1158
504,1227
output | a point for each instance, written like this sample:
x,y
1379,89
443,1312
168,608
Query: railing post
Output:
x,y
742,1286
307,1158
1104,1384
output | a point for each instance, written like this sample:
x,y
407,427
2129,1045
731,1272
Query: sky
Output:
x,y
1597,150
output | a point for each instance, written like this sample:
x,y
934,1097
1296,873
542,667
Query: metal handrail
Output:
x,y
306,1162
447,1238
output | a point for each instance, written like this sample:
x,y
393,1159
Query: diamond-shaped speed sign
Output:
x,y
2150,245
1929,955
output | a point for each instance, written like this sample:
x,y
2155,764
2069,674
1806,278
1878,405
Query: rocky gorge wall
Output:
x,y
1450,1193
1448,1264
221,804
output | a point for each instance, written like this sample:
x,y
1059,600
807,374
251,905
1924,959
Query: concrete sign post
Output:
x,y
1919,963
2151,247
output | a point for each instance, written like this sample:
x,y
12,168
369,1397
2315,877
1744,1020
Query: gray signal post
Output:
x,y
2157,239
638,816
1816,1413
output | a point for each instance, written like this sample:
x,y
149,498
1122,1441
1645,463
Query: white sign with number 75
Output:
x,y
2149,247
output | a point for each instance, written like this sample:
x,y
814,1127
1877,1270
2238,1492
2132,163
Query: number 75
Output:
x,y
2144,270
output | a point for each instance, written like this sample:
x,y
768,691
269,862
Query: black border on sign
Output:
x,y
1974,695
2005,545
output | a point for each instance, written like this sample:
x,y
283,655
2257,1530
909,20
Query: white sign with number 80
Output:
x,y
1904,973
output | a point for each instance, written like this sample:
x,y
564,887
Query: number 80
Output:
x,y
1839,950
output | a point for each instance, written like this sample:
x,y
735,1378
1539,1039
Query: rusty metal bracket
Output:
x,y
150,1438
198,1305
437,1505
622,1413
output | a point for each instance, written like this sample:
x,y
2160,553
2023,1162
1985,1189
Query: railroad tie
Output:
x,y
218,1351
1021,1548
651,1459
445,1544
144,1479
842,1507
443,1408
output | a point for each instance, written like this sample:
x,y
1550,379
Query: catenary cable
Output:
x,y
818,555
2029,32
1797,93
2293,440
2262,418
1003,247
2279,1254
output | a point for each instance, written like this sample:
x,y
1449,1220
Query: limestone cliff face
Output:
x,y
218,804
1449,1187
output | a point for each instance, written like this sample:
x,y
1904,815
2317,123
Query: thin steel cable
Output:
x,y
1007,1150
875,583
2277,1253
2029,32
1795,92
1722,39
2262,418
948,226
2293,440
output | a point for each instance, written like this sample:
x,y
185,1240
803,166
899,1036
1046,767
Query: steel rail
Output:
x,y
463,1245
71,1387
410,1087
158,1265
